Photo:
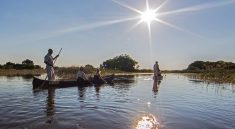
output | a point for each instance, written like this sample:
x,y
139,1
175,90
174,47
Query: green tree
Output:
x,y
28,62
88,66
9,65
208,66
123,62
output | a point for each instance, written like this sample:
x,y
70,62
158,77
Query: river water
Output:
x,y
178,102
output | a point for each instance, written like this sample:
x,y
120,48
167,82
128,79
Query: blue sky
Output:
x,y
83,29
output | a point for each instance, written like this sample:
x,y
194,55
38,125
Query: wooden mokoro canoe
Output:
x,y
157,78
45,84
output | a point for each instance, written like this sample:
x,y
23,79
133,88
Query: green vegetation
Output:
x,y
26,64
219,71
201,66
70,72
22,72
119,64
26,68
122,62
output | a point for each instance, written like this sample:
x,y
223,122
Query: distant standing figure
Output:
x,y
157,71
49,61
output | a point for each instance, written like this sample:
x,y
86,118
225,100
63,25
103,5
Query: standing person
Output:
x,y
157,72
49,61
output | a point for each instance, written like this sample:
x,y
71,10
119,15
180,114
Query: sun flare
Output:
x,y
148,16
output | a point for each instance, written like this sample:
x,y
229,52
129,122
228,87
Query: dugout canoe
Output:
x,y
45,84
157,78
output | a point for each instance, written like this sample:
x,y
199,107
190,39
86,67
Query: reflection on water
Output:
x,y
50,102
148,122
81,93
50,109
156,85
175,102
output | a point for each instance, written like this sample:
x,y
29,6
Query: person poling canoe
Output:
x,y
49,61
157,72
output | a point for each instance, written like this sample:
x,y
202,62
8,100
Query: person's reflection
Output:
x,y
50,108
97,90
81,92
156,85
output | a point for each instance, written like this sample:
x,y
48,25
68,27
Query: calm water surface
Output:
x,y
177,103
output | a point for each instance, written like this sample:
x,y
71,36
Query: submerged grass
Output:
x,y
217,76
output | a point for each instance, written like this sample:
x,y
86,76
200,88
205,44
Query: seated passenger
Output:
x,y
98,78
81,76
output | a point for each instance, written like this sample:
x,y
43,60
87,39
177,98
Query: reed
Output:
x,y
217,76
24,72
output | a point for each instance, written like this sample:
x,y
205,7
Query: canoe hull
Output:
x,y
45,84
158,78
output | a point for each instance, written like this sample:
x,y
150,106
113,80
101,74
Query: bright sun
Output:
x,y
148,16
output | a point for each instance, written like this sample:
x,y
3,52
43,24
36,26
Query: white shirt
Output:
x,y
82,75
156,69
49,59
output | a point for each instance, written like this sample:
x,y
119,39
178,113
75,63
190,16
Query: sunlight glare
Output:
x,y
148,122
148,16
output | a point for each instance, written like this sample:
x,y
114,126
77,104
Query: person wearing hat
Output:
x,y
49,61
157,71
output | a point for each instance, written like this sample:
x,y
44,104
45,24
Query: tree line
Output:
x,y
200,66
123,62
26,64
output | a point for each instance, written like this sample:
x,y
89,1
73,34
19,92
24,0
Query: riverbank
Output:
x,y
24,72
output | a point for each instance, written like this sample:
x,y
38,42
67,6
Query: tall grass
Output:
x,y
24,72
218,76
70,72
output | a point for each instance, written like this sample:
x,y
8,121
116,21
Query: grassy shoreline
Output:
x,y
24,72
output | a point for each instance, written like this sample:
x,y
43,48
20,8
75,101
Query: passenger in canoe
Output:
x,y
98,78
49,61
81,76
157,72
